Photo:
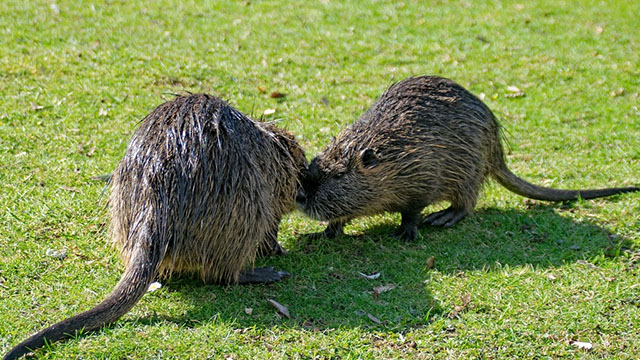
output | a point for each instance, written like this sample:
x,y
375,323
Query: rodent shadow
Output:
x,y
539,236
326,290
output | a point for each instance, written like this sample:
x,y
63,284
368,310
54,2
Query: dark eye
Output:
x,y
340,174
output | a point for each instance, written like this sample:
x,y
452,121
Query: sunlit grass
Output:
x,y
75,78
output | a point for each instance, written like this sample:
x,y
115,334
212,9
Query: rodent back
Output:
x,y
210,169
426,134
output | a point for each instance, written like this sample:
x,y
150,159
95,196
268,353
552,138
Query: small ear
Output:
x,y
368,158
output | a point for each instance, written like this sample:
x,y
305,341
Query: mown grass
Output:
x,y
76,77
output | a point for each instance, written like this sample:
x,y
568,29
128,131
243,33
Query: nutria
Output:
x,y
200,191
426,139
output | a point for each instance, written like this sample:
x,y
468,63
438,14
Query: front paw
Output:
x,y
409,234
279,251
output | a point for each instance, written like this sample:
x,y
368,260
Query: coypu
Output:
x,y
200,190
425,140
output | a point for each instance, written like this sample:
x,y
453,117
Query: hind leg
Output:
x,y
266,275
462,204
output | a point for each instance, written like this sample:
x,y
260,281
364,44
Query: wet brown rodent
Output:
x,y
426,140
200,191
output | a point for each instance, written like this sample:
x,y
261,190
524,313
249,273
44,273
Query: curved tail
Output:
x,y
134,283
522,187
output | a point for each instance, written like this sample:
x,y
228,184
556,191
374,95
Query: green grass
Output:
x,y
75,78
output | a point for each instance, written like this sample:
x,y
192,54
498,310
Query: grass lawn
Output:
x,y
518,279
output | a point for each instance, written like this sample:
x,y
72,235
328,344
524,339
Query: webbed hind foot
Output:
x,y
263,275
446,218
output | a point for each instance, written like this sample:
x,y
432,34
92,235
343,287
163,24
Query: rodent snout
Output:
x,y
301,198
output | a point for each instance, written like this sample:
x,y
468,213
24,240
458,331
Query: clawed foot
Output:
x,y
407,234
445,218
263,275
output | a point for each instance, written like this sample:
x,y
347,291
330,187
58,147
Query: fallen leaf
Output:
x,y
382,289
374,319
450,329
277,95
551,277
262,89
282,310
587,264
582,345
248,311
35,107
76,251
598,30
617,92
431,261
103,112
514,92
154,286
372,276
60,255
457,309
360,312
269,111
466,299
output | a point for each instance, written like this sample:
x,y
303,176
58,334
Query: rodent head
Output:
x,y
340,183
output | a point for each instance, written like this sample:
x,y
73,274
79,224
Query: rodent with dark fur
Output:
x,y
425,140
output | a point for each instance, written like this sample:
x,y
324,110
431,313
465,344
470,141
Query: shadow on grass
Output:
x,y
326,291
